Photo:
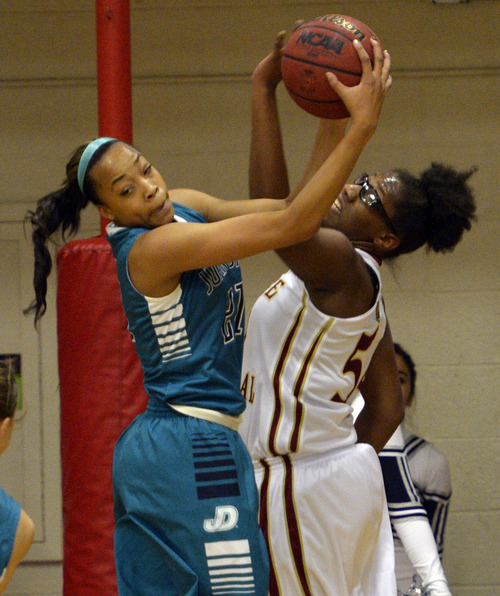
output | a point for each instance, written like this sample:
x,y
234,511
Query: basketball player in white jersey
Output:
x,y
317,336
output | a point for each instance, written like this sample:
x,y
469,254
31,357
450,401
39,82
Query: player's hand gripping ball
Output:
x,y
316,47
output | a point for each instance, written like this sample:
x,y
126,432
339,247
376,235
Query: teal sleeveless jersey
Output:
x,y
190,342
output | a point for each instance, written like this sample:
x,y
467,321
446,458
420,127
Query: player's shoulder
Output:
x,y
189,197
424,453
330,259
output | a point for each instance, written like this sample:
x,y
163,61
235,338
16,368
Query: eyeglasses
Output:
x,y
370,197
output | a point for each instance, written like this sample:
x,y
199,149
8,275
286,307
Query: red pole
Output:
x,y
98,334
114,87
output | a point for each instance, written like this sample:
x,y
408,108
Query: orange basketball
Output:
x,y
321,45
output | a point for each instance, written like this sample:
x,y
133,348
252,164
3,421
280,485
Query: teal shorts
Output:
x,y
186,508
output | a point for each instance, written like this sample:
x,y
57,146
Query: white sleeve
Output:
x,y
420,546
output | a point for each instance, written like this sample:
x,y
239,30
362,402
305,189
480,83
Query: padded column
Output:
x,y
101,392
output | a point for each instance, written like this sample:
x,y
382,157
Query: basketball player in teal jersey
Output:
x,y
185,496
17,530
316,337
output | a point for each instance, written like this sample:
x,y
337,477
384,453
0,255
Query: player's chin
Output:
x,y
162,215
330,220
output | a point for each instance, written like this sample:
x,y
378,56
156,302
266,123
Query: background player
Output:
x,y
430,473
17,530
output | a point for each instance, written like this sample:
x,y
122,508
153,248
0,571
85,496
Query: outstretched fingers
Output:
x,y
280,40
364,101
386,67
381,63
380,70
378,56
366,64
268,71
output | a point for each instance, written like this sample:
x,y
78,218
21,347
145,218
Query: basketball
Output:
x,y
316,47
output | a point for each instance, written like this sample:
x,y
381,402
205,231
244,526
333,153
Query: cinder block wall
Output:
x,y
191,64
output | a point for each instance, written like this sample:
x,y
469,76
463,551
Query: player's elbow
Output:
x,y
302,229
390,414
30,532
25,532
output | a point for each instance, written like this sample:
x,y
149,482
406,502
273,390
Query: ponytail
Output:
x,y
451,205
59,210
433,209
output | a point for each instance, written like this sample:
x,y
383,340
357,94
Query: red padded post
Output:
x,y
100,374
101,392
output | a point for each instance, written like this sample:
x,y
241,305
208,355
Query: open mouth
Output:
x,y
160,208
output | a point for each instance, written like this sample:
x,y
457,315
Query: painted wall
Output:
x,y
191,64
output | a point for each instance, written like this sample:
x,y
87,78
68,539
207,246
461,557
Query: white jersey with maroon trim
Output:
x,y
301,369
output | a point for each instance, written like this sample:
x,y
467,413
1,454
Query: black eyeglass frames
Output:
x,y
370,197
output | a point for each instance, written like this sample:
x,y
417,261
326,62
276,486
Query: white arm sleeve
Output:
x,y
420,546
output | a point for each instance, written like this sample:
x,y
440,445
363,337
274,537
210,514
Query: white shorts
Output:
x,y
325,519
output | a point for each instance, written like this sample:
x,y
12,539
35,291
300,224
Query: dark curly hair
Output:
x,y
433,209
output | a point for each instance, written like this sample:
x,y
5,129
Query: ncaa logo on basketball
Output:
x,y
319,40
226,518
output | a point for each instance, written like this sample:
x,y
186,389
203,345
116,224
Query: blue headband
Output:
x,y
87,155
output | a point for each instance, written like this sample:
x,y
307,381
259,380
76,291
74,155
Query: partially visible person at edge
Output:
x,y
317,336
186,502
423,482
17,530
